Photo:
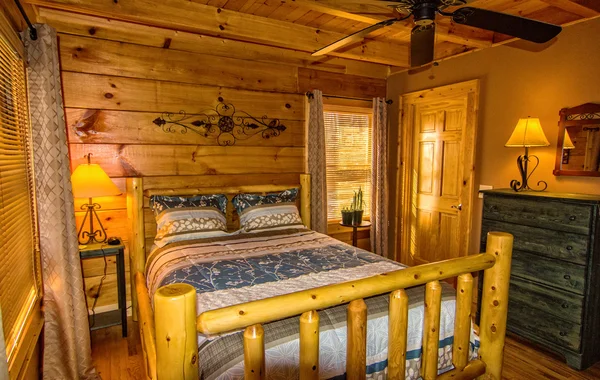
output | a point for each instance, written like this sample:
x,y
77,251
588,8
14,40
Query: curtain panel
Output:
x,y
379,180
315,142
67,350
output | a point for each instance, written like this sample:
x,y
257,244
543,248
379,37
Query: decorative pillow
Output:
x,y
159,203
179,224
243,201
270,216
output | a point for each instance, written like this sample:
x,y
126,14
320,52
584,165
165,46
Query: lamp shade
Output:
x,y
527,133
89,181
568,143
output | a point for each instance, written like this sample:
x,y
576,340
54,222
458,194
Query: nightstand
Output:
x,y
355,227
99,250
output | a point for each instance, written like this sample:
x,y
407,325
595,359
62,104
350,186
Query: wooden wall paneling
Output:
x,y
95,56
182,182
155,160
93,126
198,18
341,85
115,30
127,94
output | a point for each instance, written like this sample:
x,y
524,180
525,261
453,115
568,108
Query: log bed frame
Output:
x,y
169,331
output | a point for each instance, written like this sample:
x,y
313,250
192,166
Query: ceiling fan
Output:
x,y
423,34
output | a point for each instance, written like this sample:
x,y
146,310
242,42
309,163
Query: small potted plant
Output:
x,y
347,215
357,207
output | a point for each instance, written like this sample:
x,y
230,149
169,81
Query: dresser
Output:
x,y
554,297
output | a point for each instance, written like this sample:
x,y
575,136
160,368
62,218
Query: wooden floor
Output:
x,y
119,358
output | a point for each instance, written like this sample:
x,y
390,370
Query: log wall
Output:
x,y
119,76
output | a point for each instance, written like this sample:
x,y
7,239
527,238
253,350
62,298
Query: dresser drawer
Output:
x,y
561,304
555,244
555,273
560,216
542,327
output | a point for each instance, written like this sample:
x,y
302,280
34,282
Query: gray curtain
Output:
x,y
67,350
316,162
379,180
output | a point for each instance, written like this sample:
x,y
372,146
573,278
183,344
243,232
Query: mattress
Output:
x,y
238,268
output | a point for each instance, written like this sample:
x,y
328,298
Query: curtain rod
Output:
x,y
32,30
310,95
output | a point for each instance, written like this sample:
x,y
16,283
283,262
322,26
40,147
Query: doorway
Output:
x,y
436,175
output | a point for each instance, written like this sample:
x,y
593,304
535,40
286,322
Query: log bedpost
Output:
x,y
431,330
137,249
397,334
305,199
356,354
254,353
462,324
494,304
176,336
309,345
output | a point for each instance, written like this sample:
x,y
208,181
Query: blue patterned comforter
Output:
x,y
244,267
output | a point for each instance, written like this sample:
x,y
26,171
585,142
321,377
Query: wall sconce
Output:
x,y
528,133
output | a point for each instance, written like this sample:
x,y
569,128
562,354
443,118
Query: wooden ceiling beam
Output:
x,y
203,19
575,7
367,13
591,4
122,31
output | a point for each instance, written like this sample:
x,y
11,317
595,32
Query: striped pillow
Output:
x,y
189,223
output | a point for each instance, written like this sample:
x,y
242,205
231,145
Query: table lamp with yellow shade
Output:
x,y
528,133
90,181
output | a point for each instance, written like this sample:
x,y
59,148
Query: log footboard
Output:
x,y
175,343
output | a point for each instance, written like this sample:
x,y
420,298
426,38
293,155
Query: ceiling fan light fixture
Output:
x,y
424,14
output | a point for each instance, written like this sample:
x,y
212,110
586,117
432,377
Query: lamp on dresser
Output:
x,y
90,181
528,133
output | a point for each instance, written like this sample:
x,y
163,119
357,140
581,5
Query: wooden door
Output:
x,y
438,152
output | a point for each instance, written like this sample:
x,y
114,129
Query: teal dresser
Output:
x,y
554,297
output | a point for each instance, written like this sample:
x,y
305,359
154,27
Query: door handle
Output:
x,y
458,207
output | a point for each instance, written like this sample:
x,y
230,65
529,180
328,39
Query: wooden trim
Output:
x,y
270,309
366,110
255,189
25,346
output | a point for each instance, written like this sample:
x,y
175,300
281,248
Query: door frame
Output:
x,y
405,164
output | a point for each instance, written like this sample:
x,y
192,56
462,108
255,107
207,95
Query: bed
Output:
x,y
288,303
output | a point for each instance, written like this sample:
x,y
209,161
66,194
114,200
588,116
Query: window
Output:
x,y
18,256
348,136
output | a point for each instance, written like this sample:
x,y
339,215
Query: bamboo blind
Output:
x,y
348,138
18,279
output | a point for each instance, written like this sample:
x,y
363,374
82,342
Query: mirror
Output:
x,y
578,149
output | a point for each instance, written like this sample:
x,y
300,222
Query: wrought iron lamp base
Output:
x,y
522,163
93,234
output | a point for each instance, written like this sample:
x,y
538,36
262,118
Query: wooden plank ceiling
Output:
x,y
303,26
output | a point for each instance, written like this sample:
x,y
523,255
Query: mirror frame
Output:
x,y
584,114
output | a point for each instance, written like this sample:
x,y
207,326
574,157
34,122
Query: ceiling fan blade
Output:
x,y
354,37
422,41
525,28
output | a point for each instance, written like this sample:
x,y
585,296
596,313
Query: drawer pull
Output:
x,y
567,277
572,217
562,333
565,305
569,247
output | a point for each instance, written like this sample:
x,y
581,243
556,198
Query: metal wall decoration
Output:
x,y
224,123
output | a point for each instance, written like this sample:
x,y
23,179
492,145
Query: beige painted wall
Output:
x,y
515,83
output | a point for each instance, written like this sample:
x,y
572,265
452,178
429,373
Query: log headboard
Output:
x,y
142,222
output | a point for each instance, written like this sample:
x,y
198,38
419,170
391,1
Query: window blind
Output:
x,y
18,279
348,154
